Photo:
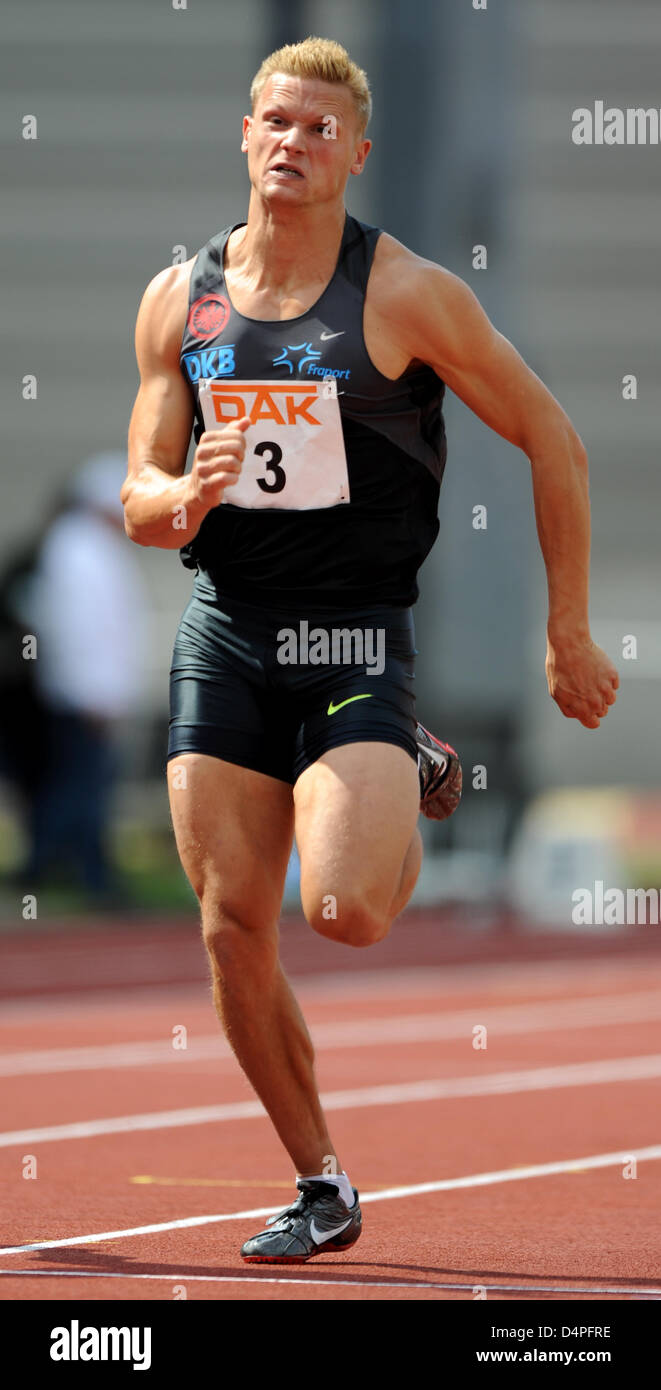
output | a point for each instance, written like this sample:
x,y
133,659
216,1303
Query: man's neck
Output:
x,y
285,249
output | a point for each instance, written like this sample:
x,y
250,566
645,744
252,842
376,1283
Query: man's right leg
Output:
x,y
234,831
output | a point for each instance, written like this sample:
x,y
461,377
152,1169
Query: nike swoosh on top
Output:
x,y
320,1236
332,709
325,336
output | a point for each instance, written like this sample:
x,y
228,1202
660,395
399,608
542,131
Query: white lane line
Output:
x,y
533,1170
451,1088
642,1291
411,1028
110,1056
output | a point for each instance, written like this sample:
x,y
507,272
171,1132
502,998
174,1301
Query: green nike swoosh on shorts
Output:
x,y
332,709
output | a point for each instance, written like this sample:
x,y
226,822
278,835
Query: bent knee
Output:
x,y
351,921
229,928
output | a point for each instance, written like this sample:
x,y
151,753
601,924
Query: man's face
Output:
x,y
303,141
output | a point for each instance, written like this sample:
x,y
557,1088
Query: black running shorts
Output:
x,y
272,690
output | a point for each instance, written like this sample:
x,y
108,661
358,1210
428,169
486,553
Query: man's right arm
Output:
x,y
163,506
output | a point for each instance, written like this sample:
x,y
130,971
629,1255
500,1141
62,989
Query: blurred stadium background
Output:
x,y
138,161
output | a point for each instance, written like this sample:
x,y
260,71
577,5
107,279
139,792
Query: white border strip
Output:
x,y
535,1170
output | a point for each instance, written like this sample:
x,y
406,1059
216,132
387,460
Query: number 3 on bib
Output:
x,y
295,457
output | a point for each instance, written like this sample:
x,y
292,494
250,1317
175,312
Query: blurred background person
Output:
x,y
81,594
22,714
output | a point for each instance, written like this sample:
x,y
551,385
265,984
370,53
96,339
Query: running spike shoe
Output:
x,y
317,1221
439,770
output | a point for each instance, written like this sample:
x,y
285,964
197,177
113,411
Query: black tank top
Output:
x,y
363,551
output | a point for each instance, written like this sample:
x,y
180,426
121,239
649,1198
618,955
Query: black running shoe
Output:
x,y
318,1220
439,770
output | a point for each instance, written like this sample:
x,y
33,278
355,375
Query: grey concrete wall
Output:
x,y
139,109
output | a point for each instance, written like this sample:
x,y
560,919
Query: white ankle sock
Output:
x,y
339,1180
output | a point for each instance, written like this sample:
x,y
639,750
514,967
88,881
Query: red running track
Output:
x,y
524,1169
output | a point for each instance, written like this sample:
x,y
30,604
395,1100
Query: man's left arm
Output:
x,y
446,327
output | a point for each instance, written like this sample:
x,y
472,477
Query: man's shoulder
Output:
x,y
399,273
169,284
163,311
166,295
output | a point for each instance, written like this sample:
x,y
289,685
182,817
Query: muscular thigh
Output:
x,y
356,811
234,830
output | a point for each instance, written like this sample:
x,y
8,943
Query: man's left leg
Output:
x,y
356,812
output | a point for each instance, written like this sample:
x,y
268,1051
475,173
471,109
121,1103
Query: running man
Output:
x,y
311,352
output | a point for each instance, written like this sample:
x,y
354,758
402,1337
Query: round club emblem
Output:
x,y
208,315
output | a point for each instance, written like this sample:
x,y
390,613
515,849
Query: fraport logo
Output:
x,y
329,371
210,363
310,354
309,359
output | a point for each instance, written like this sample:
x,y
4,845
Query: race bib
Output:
x,y
295,457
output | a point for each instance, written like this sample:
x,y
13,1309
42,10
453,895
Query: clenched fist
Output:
x,y
581,679
217,461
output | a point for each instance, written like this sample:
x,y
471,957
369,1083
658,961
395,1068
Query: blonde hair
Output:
x,y
320,59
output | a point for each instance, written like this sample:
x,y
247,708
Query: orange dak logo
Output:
x,y
285,404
